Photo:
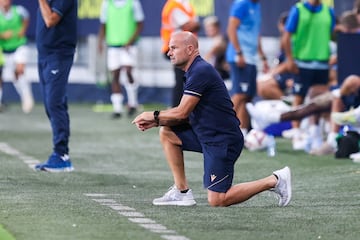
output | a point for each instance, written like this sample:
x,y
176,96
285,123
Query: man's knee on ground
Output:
x,y
216,199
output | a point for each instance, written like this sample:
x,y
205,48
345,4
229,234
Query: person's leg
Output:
x,y
318,87
241,192
57,104
300,88
219,160
132,91
113,65
54,87
243,90
239,101
174,140
128,62
22,84
268,88
171,145
319,104
263,117
116,94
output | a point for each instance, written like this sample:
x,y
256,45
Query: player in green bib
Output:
x,y
121,24
14,21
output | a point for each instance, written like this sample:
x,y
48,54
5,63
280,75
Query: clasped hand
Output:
x,y
145,121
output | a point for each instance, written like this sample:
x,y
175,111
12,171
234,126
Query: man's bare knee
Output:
x,y
216,199
167,135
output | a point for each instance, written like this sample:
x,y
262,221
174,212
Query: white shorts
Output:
x,y
20,56
119,56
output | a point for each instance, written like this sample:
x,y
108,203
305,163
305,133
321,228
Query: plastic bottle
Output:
x,y
271,147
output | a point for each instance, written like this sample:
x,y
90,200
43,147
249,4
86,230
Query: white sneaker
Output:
x,y
283,186
346,118
174,197
290,133
355,157
301,141
27,103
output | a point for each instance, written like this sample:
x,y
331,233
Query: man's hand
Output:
x,y
145,121
291,66
7,34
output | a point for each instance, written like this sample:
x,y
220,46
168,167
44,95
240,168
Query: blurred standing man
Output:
x,y
121,22
244,43
216,54
307,39
14,22
56,37
177,15
205,122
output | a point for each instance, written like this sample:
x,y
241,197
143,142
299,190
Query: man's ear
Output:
x,y
190,49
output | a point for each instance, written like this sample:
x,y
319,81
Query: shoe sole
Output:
x,y
55,170
176,203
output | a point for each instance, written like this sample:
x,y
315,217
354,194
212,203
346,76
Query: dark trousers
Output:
x,y
54,74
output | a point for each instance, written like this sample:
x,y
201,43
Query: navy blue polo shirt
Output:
x,y
60,39
213,119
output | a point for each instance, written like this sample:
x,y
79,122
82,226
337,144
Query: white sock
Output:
x,y
315,136
314,130
331,139
131,90
18,87
26,89
23,87
117,102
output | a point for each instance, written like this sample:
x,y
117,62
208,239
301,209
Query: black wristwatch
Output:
x,y
156,117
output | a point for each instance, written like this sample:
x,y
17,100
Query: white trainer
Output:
x,y
291,133
283,186
27,103
173,197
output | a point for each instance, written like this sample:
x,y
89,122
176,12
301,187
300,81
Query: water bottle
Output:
x,y
271,147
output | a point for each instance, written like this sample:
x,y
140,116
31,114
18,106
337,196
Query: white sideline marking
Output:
x,y
28,160
121,208
135,217
171,237
141,220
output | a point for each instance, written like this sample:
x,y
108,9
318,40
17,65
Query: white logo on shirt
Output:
x,y
54,71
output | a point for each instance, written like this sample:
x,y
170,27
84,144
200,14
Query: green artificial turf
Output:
x,y
112,157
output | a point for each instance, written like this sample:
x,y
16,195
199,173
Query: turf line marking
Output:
x,y
135,217
28,160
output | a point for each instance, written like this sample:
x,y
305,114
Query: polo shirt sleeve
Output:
x,y
195,85
292,21
138,11
239,10
61,6
103,11
24,13
333,18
